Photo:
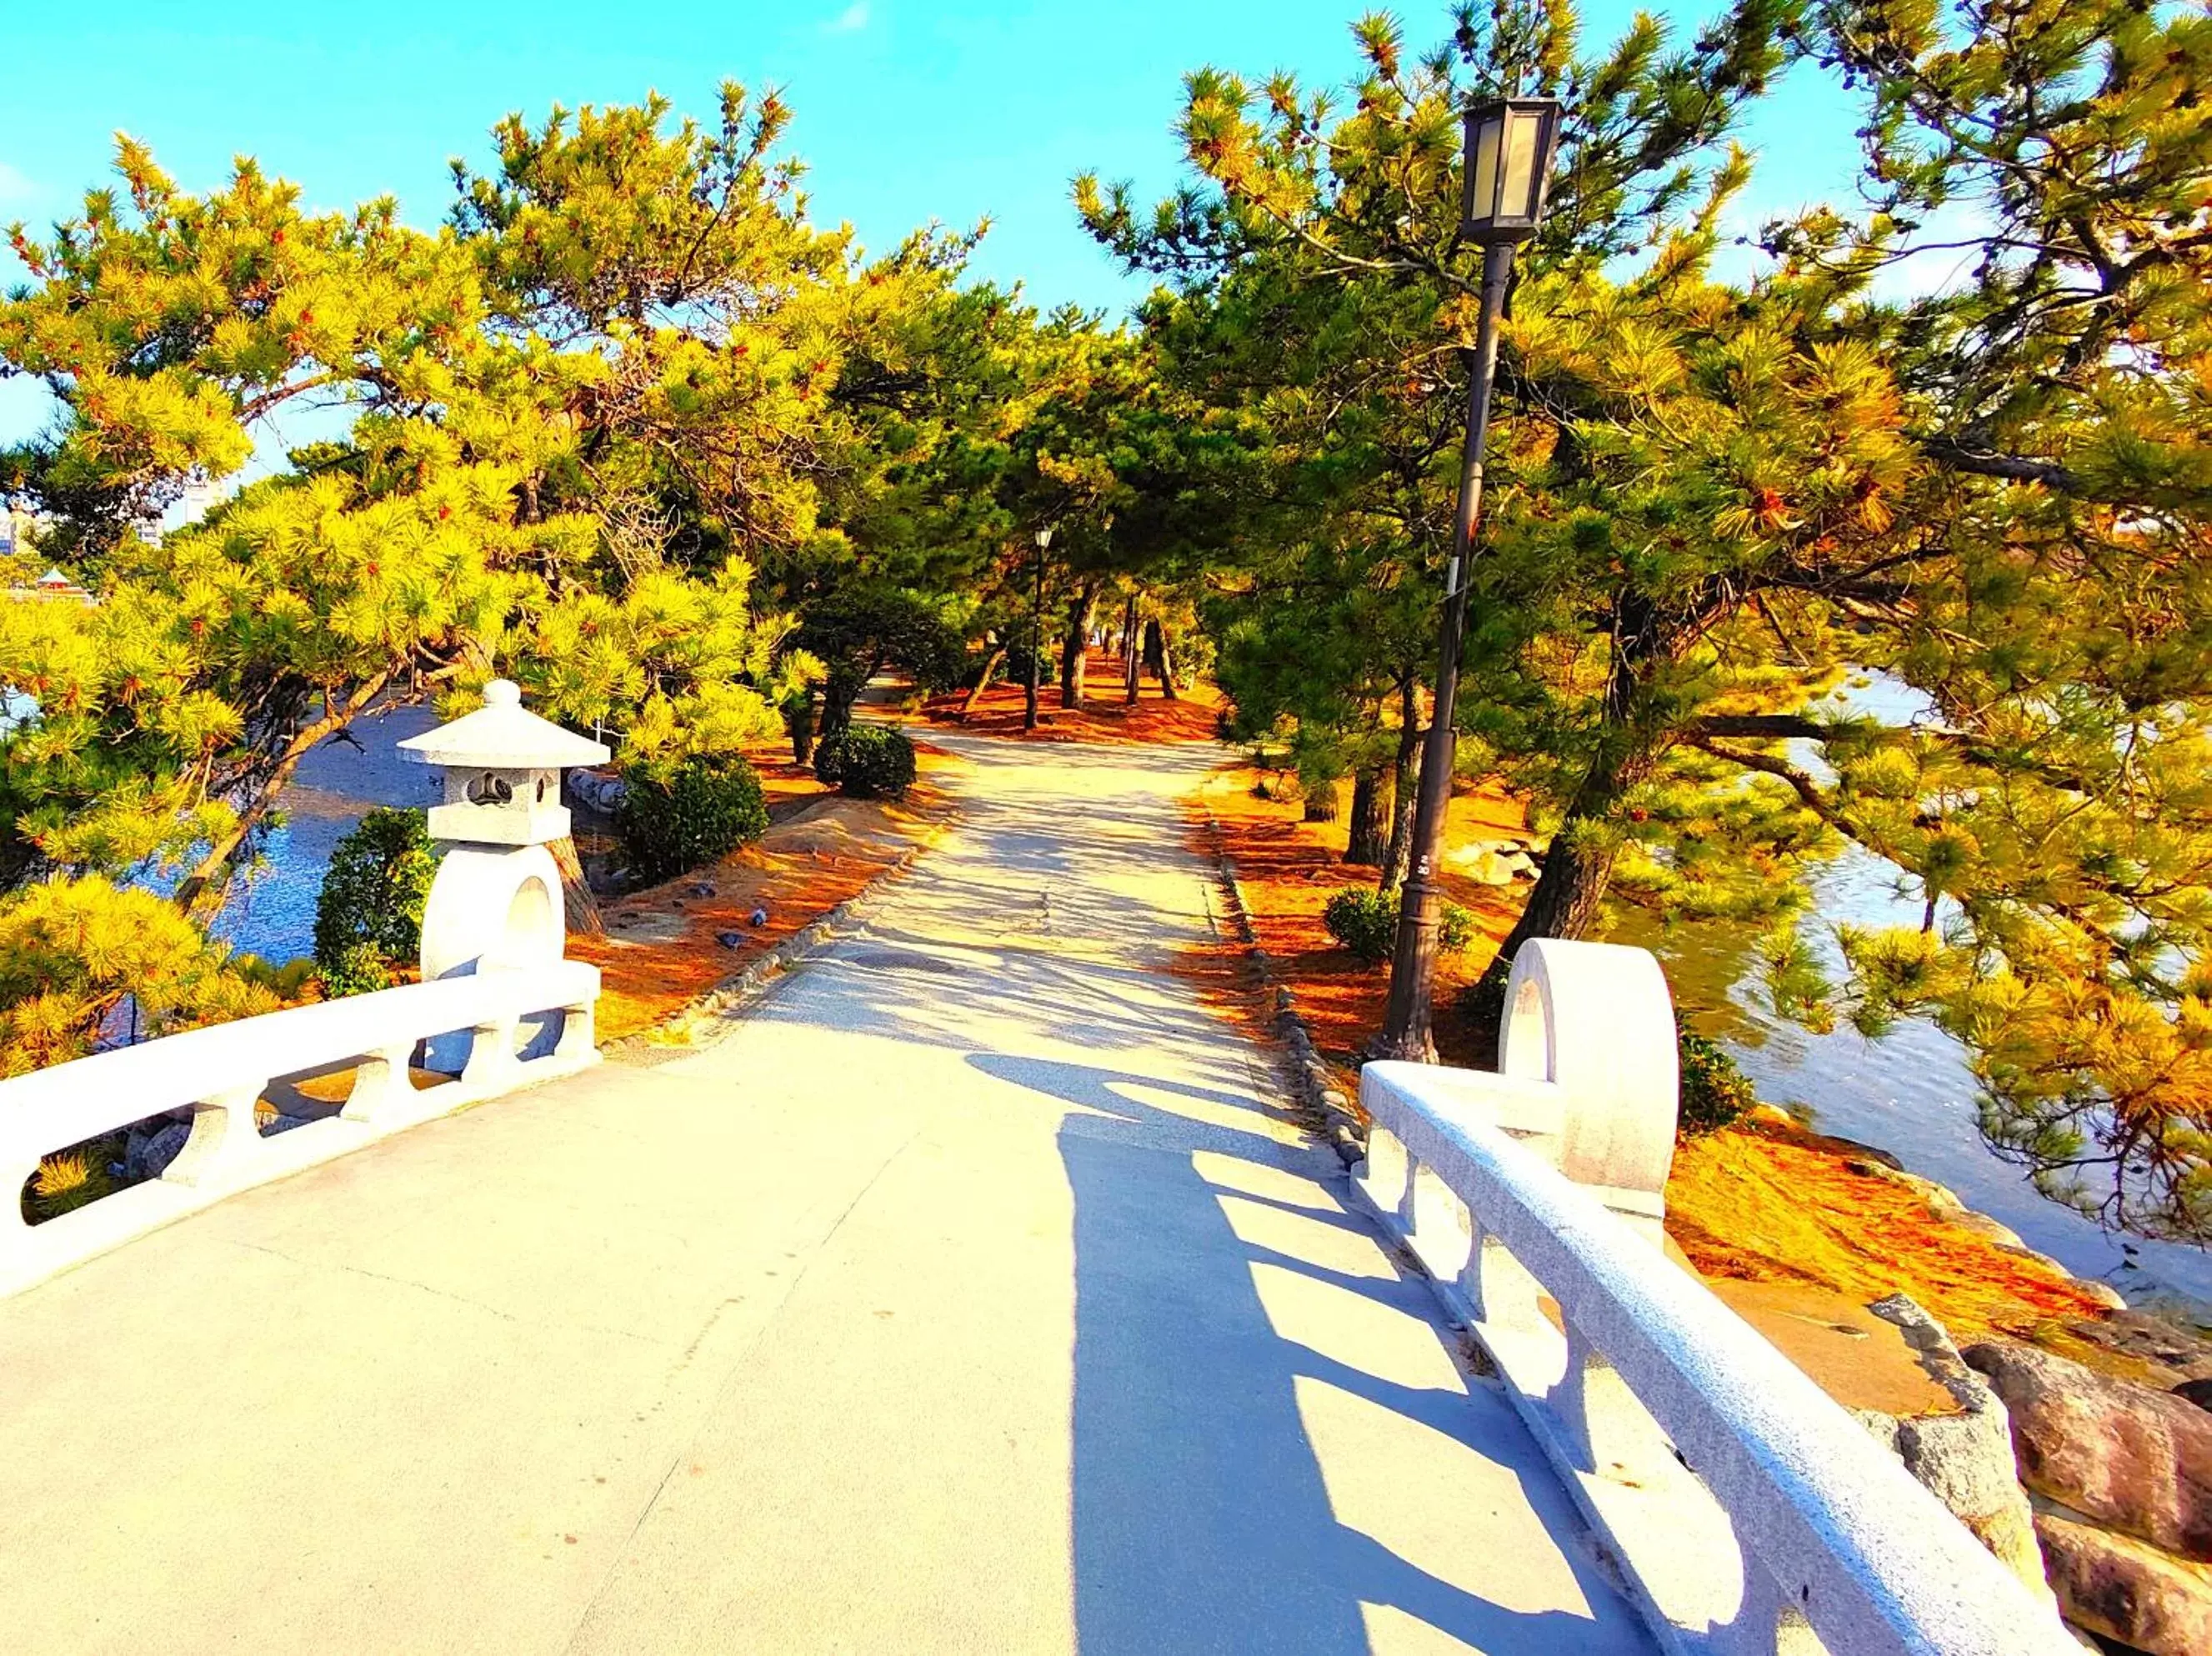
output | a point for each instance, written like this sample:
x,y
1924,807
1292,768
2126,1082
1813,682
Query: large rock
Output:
x,y
1963,1454
2126,1590
597,791
2122,1455
1492,862
147,1153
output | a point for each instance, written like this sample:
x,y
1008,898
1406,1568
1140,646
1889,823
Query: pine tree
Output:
x,y
581,418
1711,502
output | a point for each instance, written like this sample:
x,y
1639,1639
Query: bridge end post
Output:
x,y
1597,1021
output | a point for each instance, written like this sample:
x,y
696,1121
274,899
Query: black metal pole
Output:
x,y
1036,644
1412,965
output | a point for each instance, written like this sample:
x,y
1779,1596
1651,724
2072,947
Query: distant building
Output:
x,y
200,497
52,585
15,527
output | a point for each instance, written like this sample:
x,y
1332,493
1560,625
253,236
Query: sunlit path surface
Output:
x,y
969,1295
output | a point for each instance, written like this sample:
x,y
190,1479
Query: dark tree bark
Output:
x,y
1132,657
1158,657
1369,814
1569,892
578,905
1075,647
799,719
1398,860
991,664
839,691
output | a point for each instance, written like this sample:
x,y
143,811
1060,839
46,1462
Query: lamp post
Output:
x,y
1506,173
1036,635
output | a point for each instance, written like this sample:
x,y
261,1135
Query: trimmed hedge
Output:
x,y
1366,922
368,916
672,822
868,762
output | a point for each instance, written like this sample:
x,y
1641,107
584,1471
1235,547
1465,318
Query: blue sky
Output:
x,y
906,110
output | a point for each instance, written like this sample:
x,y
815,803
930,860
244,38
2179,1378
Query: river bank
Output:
x,y
1778,1202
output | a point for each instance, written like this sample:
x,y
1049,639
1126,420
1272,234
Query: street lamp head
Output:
x,y
1510,145
1043,538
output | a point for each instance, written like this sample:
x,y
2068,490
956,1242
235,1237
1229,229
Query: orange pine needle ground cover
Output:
x,y
1104,716
1766,1203
1289,869
660,952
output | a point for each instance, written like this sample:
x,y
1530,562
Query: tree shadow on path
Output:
x,y
1202,1522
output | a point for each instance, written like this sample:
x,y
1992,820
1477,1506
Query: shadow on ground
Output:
x,y
1202,1517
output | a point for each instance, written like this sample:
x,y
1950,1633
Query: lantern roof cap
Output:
x,y
501,735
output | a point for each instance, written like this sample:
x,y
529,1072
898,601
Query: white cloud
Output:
x,y
851,20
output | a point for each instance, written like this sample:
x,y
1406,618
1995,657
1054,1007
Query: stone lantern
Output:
x,y
496,899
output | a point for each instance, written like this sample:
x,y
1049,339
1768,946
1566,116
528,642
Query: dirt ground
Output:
x,y
1289,869
1105,716
1797,1231
662,949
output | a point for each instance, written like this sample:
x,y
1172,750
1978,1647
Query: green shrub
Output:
x,y
1454,929
868,762
285,979
674,819
369,917
1715,1091
1366,922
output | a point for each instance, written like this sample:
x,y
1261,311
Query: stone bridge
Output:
x,y
974,1291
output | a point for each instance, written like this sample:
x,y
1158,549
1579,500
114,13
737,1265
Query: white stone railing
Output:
x,y
221,1072
1749,1512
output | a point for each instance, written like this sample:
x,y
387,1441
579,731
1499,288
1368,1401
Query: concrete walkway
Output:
x,y
970,1295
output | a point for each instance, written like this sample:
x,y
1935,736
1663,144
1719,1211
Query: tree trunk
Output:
x,y
799,719
1369,814
1321,803
1131,658
1075,648
1157,655
1405,789
578,905
1565,903
992,662
1578,866
839,691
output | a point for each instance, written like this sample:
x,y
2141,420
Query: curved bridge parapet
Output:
x,y
522,1026
1750,1512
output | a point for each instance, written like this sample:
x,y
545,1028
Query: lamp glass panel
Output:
x,y
1518,199
1483,199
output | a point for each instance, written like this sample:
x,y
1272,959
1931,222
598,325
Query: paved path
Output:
x,y
970,1295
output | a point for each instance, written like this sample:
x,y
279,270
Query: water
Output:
x,y
1909,1092
272,914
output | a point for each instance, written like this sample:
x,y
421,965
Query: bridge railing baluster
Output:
x,y
1749,1512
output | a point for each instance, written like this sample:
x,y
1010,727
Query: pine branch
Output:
x,y
1806,788
1780,727
205,878
2011,468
